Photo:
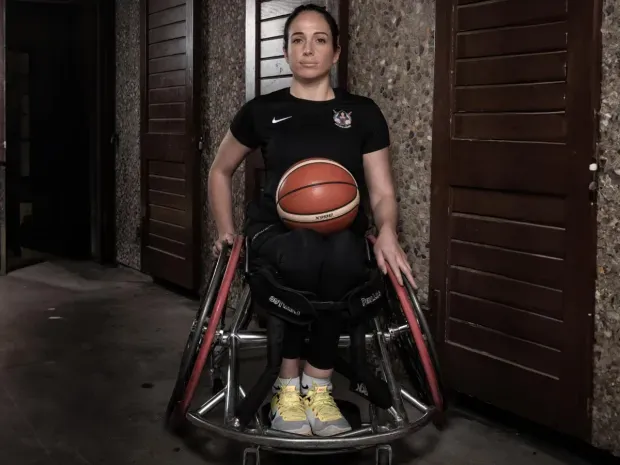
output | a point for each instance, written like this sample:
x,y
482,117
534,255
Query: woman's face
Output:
x,y
310,52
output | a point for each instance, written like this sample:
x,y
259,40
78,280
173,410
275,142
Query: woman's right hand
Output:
x,y
228,238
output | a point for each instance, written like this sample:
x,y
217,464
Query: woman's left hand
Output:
x,y
388,251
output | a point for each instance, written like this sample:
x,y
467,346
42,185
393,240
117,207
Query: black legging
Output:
x,y
329,266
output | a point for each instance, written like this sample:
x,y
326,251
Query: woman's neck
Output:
x,y
319,90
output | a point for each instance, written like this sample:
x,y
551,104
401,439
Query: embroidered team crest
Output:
x,y
342,118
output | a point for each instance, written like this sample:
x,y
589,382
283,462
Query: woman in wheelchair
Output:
x,y
290,125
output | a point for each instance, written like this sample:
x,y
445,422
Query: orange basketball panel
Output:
x,y
314,173
318,199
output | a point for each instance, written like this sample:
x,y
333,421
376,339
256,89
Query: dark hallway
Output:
x,y
51,130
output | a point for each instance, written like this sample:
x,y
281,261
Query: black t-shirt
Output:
x,y
288,129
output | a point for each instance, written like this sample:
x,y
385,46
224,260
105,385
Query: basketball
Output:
x,y
318,194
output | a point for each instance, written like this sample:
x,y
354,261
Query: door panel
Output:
x,y
3,251
513,249
266,68
169,142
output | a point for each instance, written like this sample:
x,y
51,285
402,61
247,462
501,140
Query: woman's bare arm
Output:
x,y
230,155
378,173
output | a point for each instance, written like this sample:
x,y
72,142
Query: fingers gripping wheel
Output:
x,y
417,343
198,347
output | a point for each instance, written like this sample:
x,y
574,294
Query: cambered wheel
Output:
x,y
416,361
187,364
174,415
415,347
428,338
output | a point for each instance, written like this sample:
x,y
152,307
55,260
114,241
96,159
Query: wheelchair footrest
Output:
x,y
348,409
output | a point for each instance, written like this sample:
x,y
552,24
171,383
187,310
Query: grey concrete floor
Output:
x,y
88,357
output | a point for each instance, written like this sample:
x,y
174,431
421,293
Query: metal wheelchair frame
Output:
x,y
210,341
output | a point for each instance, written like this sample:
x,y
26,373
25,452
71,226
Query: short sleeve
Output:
x,y
377,132
243,125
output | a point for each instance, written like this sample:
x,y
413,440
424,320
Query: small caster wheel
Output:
x,y
251,457
384,455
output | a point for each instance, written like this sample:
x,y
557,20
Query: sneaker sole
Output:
x,y
300,432
331,431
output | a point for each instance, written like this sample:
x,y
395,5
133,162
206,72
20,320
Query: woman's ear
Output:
x,y
337,54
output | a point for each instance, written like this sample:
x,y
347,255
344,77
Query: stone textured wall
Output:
x,y
128,131
606,405
391,59
223,93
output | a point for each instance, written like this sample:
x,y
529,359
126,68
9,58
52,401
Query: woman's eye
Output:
x,y
322,41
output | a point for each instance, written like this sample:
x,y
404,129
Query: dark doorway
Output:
x,y
59,131
513,233
169,140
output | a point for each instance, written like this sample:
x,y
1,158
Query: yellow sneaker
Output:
x,y
288,412
322,412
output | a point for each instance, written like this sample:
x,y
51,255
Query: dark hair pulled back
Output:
x,y
333,26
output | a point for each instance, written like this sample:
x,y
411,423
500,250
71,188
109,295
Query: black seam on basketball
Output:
x,y
317,184
317,212
313,185
290,171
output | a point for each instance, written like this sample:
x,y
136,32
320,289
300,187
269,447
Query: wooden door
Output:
x,y
266,67
3,261
513,254
169,141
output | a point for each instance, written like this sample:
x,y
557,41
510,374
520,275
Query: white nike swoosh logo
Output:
x,y
279,120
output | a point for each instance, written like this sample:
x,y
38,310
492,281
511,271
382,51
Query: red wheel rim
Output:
x,y
216,315
418,337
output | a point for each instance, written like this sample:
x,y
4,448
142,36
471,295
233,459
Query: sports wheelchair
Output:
x,y
379,315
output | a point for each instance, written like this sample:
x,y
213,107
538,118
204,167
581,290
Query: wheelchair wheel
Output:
x,y
198,347
415,347
428,338
195,337
411,357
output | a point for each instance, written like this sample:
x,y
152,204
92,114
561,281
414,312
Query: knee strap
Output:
x,y
366,301
272,298
300,308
